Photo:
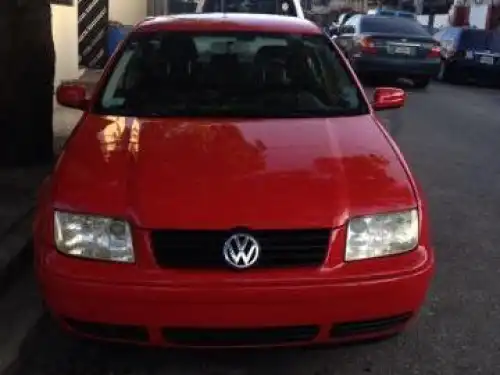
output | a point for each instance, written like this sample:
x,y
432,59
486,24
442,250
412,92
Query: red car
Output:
x,y
229,184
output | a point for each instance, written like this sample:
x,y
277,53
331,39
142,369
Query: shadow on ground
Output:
x,y
67,355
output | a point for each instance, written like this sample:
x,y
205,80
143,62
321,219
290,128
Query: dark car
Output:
x,y
395,47
469,54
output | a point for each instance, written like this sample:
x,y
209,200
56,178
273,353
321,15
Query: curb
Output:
x,y
16,250
23,319
13,366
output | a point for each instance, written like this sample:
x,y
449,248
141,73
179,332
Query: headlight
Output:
x,y
381,235
93,237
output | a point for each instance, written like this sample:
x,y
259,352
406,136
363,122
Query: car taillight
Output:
x,y
435,52
367,45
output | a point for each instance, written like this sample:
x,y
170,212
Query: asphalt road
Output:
x,y
451,137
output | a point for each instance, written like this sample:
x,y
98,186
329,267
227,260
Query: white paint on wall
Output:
x,y
65,32
128,12
478,16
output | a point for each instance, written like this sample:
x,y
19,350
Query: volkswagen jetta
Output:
x,y
229,184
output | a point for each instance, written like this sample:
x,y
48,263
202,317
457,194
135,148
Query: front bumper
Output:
x,y
366,64
242,309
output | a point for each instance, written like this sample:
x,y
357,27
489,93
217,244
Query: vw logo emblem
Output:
x,y
241,251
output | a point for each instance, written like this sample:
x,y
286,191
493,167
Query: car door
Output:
x,y
345,39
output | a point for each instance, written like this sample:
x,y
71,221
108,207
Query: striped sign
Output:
x,y
93,18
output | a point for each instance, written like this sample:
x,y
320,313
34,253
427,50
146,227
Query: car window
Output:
x,y
392,25
237,74
353,21
440,35
474,39
282,7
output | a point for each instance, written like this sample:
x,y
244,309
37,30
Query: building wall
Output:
x,y
65,31
478,16
128,12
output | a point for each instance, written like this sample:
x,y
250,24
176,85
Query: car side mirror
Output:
x,y
72,95
388,98
333,31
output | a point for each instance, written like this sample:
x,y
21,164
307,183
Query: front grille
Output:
x,y
204,248
240,336
109,331
369,326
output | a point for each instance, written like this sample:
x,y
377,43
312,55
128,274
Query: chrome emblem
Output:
x,y
241,251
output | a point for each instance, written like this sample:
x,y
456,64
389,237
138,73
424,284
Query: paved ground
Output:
x,y
450,136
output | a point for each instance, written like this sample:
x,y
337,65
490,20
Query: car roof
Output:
x,y
385,17
229,22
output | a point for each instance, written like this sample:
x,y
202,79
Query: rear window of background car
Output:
x,y
474,39
392,25
283,7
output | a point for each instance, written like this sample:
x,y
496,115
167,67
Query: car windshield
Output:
x,y
392,25
283,7
237,74
480,40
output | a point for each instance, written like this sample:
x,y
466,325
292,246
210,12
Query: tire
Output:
x,y
447,73
421,82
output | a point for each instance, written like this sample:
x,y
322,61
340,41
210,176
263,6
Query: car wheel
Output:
x,y
421,82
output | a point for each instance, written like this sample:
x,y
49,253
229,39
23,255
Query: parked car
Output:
x,y
469,54
392,13
230,185
280,7
343,18
395,47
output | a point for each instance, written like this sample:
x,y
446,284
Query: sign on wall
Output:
x,y
93,18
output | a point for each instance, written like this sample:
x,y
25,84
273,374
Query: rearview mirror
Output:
x,y
388,98
72,95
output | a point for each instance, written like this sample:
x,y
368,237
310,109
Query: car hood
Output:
x,y
214,174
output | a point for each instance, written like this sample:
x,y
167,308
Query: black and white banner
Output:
x,y
92,33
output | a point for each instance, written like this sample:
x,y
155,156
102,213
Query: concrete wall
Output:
x,y
478,16
65,31
128,12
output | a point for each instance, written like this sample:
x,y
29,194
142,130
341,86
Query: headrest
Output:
x,y
268,53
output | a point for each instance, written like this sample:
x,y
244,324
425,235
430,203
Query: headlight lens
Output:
x,y
382,235
93,237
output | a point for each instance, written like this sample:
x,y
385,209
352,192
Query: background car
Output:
x,y
469,54
392,13
234,188
390,47
342,19
281,7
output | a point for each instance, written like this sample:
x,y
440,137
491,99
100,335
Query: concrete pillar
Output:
x,y
27,70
